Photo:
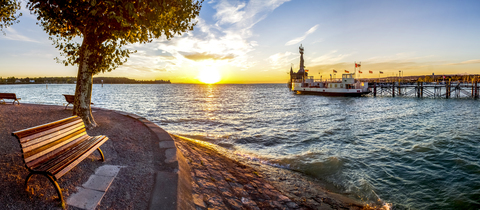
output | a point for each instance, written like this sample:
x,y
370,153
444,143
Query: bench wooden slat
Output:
x,y
34,143
8,96
64,157
57,152
69,98
82,148
25,141
48,148
77,161
29,131
55,148
11,96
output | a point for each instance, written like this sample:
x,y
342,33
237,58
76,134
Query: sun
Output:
x,y
209,75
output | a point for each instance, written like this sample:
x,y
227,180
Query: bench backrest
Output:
x,y
69,98
8,95
43,142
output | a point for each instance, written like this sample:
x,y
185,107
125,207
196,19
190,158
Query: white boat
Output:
x,y
301,83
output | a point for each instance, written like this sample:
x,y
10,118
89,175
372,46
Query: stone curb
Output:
x,y
173,187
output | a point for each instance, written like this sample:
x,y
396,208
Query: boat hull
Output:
x,y
348,94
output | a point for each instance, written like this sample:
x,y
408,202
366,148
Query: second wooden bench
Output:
x,y
12,96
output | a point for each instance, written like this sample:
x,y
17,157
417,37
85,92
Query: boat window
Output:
x,y
335,85
341,85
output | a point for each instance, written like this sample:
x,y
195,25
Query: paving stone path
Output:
x,y
221,183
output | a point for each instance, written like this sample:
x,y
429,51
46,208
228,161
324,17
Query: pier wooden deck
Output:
x,y
427,90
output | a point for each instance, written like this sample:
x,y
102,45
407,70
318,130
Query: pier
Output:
x,y
445,89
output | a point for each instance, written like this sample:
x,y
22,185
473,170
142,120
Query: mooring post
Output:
x,y
375,89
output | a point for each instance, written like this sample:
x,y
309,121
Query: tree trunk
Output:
x,y
83,90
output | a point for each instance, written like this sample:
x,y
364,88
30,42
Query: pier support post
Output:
x,y
421,89
476,89
473,88
447,88
393,89
374,89
417,90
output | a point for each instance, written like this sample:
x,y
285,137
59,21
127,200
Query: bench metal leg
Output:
x,y
53,181
18,102
101,154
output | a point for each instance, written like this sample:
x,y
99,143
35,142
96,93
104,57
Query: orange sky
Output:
x,y
255,41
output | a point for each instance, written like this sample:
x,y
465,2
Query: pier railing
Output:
x,y
431,90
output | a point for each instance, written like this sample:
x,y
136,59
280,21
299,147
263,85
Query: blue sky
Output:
x,y
257,42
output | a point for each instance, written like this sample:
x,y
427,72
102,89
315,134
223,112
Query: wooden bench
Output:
x,y
12,96
54,148
70,99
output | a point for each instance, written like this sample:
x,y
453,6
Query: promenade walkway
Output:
x,y
144,169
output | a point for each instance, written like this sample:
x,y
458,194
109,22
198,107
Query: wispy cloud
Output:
x,y
329,58
228,13
280,60
227,39
205,56
465,62
12,34
299,39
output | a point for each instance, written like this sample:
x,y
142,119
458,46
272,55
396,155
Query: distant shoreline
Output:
x,y
72,80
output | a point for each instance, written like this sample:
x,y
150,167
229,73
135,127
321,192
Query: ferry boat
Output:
x,y
301,83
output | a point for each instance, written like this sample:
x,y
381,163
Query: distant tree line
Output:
x,y
72,80
38,80
124,80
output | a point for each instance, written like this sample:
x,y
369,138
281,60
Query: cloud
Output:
x,y
280,60
12,34
299,39
206,56
227,13
465,62
226,39
329,58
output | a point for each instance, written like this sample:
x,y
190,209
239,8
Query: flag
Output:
x,y
306,70
357,65
381,72
347,71
371,72
334,71
360,72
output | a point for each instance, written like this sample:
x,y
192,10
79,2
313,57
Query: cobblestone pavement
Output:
x,y
221,183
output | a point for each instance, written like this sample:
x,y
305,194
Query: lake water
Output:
x,y
413,153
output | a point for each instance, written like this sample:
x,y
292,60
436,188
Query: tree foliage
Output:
x,y
104,28
109,25
8,13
